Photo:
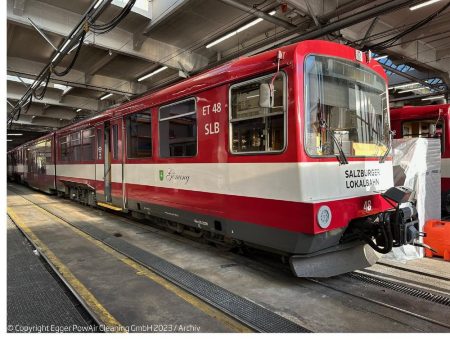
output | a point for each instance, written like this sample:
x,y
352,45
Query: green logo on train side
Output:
x,y
161,175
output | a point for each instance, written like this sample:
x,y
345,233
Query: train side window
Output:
x,y
88,145
64,142
178,129
48,152
254,129
115,135
75,147
139,135
426,128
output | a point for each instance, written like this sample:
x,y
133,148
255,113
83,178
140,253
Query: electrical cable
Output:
x,y
41,95
105,28
69,68
389,42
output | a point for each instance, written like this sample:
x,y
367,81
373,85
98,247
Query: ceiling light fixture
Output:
x,y
402,86
15,134
229,35
381,57
98,4
9,140
106,96
65,45
152,73
78,110
423,4
414,89
434,97
56,57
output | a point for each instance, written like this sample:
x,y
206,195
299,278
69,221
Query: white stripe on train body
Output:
x,y
295,182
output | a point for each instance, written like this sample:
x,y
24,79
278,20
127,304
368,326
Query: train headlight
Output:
x,y
324,216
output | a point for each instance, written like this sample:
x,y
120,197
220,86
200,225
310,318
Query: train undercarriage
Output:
x,y
360,245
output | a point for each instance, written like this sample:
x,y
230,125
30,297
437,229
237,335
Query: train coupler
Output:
x,y
392,228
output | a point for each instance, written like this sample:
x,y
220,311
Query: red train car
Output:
x,y
287,150
431,121
34,164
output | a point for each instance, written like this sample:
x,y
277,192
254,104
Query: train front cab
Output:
x,y
345,163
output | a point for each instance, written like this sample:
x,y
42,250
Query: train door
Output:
x,y
109,165
107,162
116,163
100,163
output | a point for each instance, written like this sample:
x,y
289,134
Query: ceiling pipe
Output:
x,y
260,14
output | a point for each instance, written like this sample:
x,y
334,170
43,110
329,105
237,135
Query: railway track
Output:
x,y
339,284
245,311
409,270
93,323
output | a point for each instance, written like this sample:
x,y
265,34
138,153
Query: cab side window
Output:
x,y
256,129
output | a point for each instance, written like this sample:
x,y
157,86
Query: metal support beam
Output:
x,y
53,97
260,14
42,34
312,14
409,77
28,69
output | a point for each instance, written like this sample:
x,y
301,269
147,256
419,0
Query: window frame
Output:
x,y
73,146
444,128
178,116
303,108
92,139
67,142
147,111
285,116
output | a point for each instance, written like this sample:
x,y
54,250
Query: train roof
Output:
x,y
417,112
231,71
235,70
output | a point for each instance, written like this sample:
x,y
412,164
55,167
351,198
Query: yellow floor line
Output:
x,y
141,270
95,306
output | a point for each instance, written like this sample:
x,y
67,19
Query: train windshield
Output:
x,y
345,109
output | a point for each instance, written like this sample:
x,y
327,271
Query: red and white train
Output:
x,y
431,121
287,151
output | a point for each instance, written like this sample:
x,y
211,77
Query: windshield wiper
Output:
x,y
383,158
342,159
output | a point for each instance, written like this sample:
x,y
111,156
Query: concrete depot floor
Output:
x,y
121,294
299,300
